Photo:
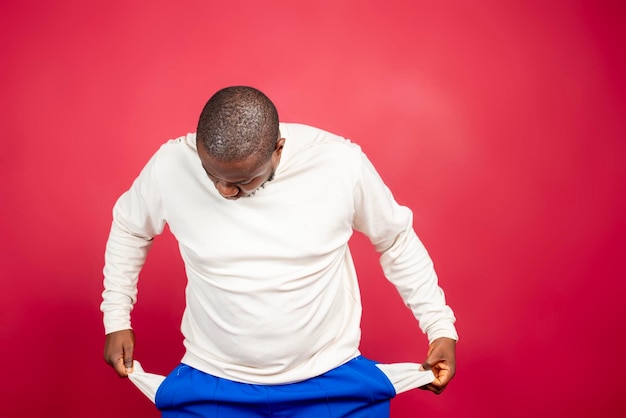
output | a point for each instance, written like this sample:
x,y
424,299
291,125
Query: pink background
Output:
x,y
501,124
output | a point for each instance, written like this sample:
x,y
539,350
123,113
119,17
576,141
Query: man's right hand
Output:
x,y
118,351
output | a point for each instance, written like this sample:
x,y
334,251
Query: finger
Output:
x,y
128,358
432,360
444,376
119,367
435,389
116,360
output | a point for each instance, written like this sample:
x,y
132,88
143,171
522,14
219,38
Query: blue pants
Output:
x,y
357,389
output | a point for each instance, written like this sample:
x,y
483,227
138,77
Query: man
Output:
x,y
263,212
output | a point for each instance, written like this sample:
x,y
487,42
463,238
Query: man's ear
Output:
x,y
278,150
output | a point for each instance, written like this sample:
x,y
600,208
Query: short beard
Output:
x,y
270,178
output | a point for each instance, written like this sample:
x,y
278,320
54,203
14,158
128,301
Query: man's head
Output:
x,y
238,140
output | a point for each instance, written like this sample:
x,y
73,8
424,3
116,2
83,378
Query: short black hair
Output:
x,y
238,122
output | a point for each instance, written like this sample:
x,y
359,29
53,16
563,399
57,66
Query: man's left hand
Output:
x,y
441,360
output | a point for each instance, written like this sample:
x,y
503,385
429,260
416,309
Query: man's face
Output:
x,y
240,178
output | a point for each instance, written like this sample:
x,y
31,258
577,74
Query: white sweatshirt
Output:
x,y
272,294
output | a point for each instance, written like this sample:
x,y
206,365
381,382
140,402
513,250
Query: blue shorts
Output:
x,y
357,389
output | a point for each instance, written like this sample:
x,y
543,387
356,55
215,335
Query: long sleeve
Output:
x,y
137,218
403,257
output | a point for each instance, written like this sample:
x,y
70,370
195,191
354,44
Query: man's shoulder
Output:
x,y
184,142
178,147
301,130
306,136
176,153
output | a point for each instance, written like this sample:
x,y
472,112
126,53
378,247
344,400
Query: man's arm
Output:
x,y
137,219
408,266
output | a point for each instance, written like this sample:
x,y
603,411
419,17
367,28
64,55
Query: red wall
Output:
x,y
501,124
